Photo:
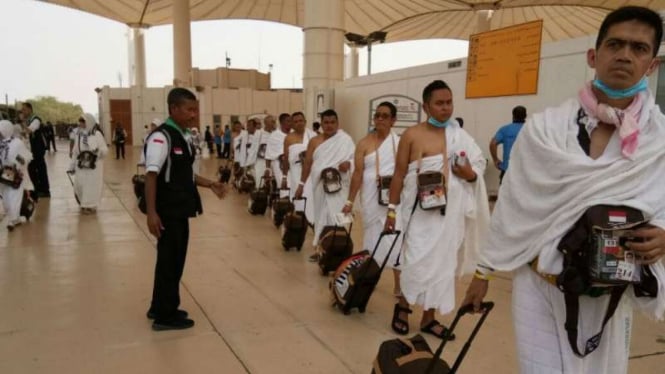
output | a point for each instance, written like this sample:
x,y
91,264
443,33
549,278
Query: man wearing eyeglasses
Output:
x,y
374,161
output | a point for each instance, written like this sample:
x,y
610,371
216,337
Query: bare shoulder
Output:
x,y
363,144
411,133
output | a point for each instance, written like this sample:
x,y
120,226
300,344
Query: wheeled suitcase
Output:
x,y
258,199
27,206
224,173
335,245
355,279
295,227
414,356
280,206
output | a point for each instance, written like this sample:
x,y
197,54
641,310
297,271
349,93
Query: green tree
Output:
x,y
48,108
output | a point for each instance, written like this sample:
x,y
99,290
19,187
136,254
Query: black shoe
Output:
x,y
43,194
178,314
175,324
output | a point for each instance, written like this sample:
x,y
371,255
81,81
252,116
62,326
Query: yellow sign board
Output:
x,y
504,62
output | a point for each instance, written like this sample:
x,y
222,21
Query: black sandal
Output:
x,y
445,333
395,324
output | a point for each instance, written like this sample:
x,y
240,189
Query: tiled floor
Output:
x,y
74,291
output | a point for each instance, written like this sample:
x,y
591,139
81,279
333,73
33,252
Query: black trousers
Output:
x,y
503,172
39,175
226,153
171,254
119,149
219,150
49,141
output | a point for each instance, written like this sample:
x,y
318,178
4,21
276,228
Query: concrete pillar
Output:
x,y
483,21
351,63
323,55
139,57
182,43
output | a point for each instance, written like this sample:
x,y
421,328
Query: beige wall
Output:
x,y
230,78
150,102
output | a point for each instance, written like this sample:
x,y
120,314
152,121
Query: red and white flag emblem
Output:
x,y
617,216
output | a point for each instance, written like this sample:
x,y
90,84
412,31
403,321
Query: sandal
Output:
x,y
399,325
445,333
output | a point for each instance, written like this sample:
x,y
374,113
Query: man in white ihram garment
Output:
x,y
87,164
439,183
295,147
275,148
330,153
374,162
15,156
250,141
605,146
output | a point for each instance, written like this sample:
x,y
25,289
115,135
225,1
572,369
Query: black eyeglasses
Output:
x,y
378,115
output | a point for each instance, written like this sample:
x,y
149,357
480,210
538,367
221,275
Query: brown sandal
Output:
x,y
396,322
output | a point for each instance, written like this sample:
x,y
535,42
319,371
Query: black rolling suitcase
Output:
x,y
355,279
280,206
258,199
224,173
414,356
27,206
295,227
335,245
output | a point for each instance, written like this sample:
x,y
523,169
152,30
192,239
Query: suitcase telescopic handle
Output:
x,y
485,308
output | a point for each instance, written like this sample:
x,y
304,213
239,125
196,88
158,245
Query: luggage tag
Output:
x,y
299,205
626,268
284,193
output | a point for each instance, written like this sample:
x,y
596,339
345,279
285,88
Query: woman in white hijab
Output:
x,y
14,157
87,155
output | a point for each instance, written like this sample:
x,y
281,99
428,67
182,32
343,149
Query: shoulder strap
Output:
x,y
572,316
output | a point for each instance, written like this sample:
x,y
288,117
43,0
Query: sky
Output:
x,y
48,50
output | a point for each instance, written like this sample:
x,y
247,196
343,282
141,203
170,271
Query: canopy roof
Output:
x,y
402,19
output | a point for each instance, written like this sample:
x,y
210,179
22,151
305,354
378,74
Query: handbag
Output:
x,y
11,176
383,181
432,185
87,160
332,180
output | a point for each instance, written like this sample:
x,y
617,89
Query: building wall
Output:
x,y
230,78
149,103
563,69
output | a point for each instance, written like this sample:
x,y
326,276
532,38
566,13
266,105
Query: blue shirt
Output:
x,y
227,136
506,136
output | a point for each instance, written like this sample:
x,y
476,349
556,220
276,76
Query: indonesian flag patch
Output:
x,y
160,141
178,151
617,216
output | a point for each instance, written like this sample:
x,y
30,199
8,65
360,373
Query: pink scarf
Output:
x,y
624,119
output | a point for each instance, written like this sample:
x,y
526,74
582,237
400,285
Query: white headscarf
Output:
x,y
6,129
90,122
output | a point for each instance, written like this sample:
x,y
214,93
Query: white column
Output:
x,y
182,43
351,63
484,18
323,55
139,57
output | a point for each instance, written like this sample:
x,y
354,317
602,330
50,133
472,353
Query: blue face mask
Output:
x,y
434,122
621,94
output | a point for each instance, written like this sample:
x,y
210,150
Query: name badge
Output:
x,y
177,150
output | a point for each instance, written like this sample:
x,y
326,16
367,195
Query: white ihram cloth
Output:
x,y
295,172
551,182
88,183
275,149
260,163
13,152
332,152
374,214
437,247
237,143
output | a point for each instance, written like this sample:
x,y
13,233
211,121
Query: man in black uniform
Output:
x,y
171,199
37,167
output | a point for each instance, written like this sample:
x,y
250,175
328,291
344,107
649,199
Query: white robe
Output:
x,y
275,149
89,183
295,171
260,164
10,153
332,152
547,160
374,214
437,247
237,144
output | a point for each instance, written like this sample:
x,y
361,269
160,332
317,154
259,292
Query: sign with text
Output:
x,y
504,62
408,111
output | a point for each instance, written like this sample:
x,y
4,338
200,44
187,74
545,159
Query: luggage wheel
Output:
x,y
299,248
346,312
361,309
324,272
